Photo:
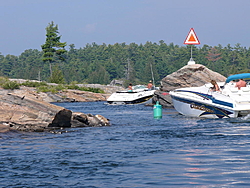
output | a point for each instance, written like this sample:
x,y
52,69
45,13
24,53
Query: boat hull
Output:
x,y
226,102
194,108
131,97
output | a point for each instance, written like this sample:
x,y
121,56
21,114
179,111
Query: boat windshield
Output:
x,y
139,87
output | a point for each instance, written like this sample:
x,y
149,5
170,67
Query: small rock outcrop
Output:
x,y
62,119
188,76
88,120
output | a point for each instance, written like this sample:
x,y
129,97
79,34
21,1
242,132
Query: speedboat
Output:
x,y
229,102
138,94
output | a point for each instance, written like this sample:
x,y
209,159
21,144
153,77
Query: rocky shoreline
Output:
x,y
25,109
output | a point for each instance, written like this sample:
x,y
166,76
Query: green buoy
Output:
x,y
157,110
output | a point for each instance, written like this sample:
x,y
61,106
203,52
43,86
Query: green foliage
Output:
x,y
100,76
90,89
11,85
3,80
101,64
51,88
34,84
245,71
73,86
57,76
61,87
7,84
47,89
53,48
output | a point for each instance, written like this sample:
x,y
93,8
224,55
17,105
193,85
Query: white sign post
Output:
x,y
191,39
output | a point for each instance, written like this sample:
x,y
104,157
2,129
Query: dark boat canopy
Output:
x,y
238,76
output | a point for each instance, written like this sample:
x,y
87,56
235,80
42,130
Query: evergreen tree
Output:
x,y
133,63
7,65
53,47
57,76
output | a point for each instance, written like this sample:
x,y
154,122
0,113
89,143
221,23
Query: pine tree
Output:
x,y
57,76
53,47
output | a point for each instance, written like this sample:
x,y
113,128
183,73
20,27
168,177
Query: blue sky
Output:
x,y
23,22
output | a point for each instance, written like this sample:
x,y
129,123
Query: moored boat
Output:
x,y
138,94
203,102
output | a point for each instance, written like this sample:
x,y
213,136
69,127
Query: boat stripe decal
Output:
x,y
207,97
204,107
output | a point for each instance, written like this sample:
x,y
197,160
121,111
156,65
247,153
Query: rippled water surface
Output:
x,y
135,151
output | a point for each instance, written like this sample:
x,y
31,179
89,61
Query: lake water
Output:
x,y
135,151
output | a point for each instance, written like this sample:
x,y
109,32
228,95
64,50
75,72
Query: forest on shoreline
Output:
x,y
132,62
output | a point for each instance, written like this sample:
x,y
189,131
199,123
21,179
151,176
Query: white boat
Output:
x,y
203,102
138,94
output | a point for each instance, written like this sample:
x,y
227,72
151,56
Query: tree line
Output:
x,y
132,62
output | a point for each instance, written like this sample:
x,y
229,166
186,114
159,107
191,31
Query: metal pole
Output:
x,y
191,53
152,74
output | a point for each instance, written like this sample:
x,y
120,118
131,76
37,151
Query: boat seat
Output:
x,y
234,89
245,89
242,99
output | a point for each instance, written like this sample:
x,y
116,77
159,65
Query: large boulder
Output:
x,y
62,119
188,76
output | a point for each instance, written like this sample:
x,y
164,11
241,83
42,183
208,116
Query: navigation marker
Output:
x,y
191,39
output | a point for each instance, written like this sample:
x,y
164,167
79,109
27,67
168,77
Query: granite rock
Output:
x,y
188,76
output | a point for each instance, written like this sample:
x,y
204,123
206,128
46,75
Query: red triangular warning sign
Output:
x,y
192,38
